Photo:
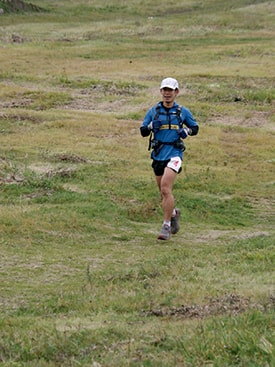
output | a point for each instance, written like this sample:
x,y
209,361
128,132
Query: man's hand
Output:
x,y
184,132
154,125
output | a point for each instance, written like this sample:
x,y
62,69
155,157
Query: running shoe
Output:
x,y
175,222
165,232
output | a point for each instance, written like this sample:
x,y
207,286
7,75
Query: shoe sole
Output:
x,y
163,238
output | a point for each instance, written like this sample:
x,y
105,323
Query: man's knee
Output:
x,y
165,191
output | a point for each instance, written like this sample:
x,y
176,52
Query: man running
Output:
x,y
169,124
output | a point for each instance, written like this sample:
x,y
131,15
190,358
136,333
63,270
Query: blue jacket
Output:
x,y
170,123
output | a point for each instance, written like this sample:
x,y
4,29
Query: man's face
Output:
x,y
168,94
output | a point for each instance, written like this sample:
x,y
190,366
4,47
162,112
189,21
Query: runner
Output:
x,y
168,124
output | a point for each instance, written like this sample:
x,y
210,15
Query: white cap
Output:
x,y
169,83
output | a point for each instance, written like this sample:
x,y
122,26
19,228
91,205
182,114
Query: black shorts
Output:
x,y
159,167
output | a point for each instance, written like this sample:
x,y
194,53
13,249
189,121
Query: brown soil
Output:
x,y
229,304
257,119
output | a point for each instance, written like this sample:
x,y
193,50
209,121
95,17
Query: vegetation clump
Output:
x,y
18,6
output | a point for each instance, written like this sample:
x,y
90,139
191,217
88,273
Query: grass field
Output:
x,y
83,280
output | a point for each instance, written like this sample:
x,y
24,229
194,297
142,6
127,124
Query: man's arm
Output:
x,y
145,131
190,122
147,124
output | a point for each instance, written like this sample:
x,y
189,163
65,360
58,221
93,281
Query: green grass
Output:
x,y
83,280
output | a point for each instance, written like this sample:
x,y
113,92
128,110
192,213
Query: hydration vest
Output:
x,y
178,114
154,144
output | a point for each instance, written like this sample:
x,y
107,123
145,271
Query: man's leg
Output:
x,y
166,187
165,184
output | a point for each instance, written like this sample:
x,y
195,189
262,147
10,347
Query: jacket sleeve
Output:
x,y
190,122
144,131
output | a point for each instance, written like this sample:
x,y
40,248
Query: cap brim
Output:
x,y
167,86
